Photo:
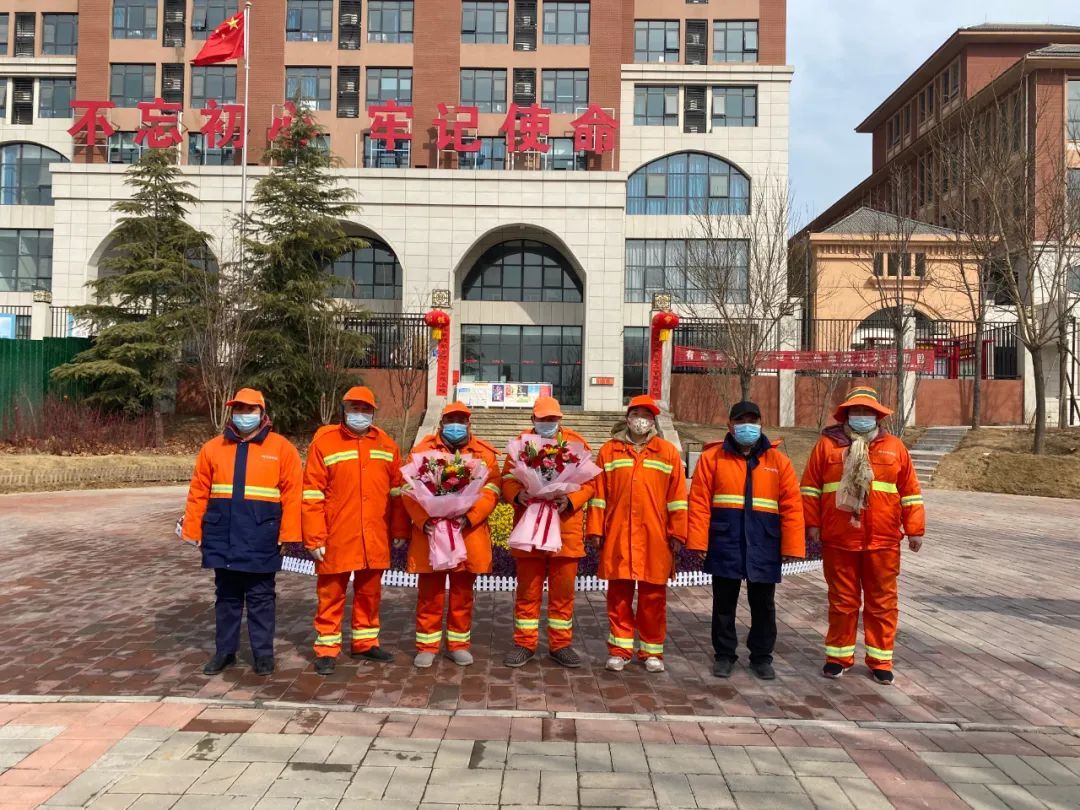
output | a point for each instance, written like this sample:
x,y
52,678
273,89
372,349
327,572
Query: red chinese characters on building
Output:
x,y
595,131
284,120
224,125
390,123
456,128
159,124
525,126
92,121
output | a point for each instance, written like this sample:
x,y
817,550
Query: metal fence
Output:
x,y
725,336
22,319
397,341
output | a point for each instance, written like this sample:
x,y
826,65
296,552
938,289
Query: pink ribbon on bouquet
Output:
x,y
550,510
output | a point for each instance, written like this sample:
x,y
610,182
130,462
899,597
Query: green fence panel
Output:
x,y
24,373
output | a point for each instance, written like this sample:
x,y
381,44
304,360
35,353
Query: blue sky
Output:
x,y
850,54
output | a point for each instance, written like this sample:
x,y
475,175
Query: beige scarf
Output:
x,y
858,475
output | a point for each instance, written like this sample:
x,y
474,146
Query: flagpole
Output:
x,y
247,131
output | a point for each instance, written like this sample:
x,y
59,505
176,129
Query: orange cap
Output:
x,y
861,395
456,407
644,401
360,393
545,407
247,396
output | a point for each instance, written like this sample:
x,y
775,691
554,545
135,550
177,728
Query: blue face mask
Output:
x,y
862,424
455,432
246,422
546,430
359,422
746,434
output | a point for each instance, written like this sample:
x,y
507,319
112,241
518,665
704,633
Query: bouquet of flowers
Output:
x,y
547,469
446,486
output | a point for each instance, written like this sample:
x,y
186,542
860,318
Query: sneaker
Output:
x,y
567,657
518,657
722,667
376,654
615,663
325,664
654,664
219,663
884,677
424,660
831,670
462,658
264,665
764,670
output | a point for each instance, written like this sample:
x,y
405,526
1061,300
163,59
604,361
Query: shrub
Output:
x,y
64,427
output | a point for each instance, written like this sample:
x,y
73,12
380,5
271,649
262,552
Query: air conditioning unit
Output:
x,y
694,105
174,41
350,19
23,96
347,86
348,111
525,89
174,16
172,84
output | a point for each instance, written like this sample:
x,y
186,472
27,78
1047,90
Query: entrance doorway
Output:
x,y
524,354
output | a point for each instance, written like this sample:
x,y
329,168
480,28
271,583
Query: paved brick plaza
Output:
x,y
99,600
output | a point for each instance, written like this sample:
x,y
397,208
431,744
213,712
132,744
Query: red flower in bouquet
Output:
x,y
549,460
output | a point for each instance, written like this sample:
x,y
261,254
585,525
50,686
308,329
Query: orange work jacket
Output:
x,y
352,499
638,502
893,509
477,536
572,525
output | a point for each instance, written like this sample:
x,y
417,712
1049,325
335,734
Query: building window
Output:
x,y
670,265
485,89
485,21
24,174
311,85
898,264
54,98
735,41
522,270
207,15
309,20
384,84
566,23
123,149
734,107
635,361
4,22
524,354
25,260
377,156
656,106
59,34
390,21
565,91
199,155
656,41
562,157
950,83
3,100
1073,190
372,273
130,84
216,82
1074,110
491,157
688,183
134,19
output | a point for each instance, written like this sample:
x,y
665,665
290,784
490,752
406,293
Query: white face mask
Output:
x,y
546,430
639,425
359,422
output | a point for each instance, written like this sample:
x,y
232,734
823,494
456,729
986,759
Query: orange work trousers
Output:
x,y
430,600
650,621
560,573
869,578
332,590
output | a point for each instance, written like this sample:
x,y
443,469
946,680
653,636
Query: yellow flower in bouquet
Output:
x,y
501,523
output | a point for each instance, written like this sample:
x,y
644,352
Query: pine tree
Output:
x,y
293,236
148,284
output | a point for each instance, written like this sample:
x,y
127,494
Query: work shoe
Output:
x,y
518,657
764,670
219,663
325,664
654,664
264,665
462,658
376,654
831,670
567,657
884,677
615,663
722,667
424,660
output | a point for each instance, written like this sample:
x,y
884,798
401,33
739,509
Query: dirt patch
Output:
x,y
32,472
1000,460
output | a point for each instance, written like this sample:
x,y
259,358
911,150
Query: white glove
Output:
x,y
191,542
400,542
318,553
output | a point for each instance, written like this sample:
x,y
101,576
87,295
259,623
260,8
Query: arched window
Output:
x,y
24,174
522,270
369,273
688,183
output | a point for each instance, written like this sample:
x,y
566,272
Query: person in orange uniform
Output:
x,y
638,512
746,514
453,436
352,507
860,497
560,568
243,503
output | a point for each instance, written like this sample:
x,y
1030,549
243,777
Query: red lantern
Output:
x,y
665,322
437,320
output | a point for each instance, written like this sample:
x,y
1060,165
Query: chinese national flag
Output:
x,y
225,43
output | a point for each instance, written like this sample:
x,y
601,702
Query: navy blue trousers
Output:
x,y
234,589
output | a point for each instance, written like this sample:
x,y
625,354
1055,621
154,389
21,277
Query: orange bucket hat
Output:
x,y
247,396
861,395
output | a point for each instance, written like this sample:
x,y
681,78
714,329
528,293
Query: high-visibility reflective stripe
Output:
x,y
766,503
261,492
526,624
652,649
395,492
381,455
598,503
314,495
622,643
677,506
830,486
344,455
328,641
728,500
911,500
509,477
221,489
452,636
560,624
840,652
882,486
811,492
618,463
365,632
494,488
653,464
429,638
879,654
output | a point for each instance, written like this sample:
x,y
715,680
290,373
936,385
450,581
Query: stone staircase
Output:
x,y
934,445
499,426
